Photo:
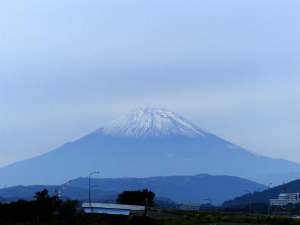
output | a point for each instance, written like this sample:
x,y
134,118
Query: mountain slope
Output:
x,y
145,143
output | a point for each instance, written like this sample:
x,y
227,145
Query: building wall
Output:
x,y
190,206
106,208
285,198
107,211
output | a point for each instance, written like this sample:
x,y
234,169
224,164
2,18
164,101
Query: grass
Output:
x,y
188,218
208,218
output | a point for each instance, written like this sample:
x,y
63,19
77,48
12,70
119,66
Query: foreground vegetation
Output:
x,y
209,218
186,218
43,209
46,210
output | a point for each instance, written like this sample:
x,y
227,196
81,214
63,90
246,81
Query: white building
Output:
x,y
107,208
190,206
285,198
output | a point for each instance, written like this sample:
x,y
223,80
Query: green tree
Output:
x,y
40,196
68,211
136,198
44,205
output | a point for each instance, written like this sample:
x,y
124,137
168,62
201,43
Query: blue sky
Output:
x,y
69,67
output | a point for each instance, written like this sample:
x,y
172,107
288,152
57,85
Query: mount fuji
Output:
x,y
143,143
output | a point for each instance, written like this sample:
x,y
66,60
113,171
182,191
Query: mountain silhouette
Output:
x,y
144,143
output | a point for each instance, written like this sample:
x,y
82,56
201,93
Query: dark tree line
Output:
x,y
44,208
136,198
47,210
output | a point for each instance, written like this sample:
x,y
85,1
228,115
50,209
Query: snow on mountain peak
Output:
x,y
149,122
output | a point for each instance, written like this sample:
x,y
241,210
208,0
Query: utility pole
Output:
x,y
269,199
146,208
210,202
53,200
90,195
90,187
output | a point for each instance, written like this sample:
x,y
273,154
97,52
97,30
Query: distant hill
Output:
x,y
28,192
276,178
179,189
262,196
6,200
25,192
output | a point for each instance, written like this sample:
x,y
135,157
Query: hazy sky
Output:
x,y
69,67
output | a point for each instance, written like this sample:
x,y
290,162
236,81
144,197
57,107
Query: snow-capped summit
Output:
x,y
149,122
